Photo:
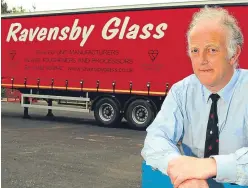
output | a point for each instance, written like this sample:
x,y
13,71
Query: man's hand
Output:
x,y
185,168
194,183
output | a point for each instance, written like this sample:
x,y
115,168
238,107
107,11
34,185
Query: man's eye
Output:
x,y
194,50
212,50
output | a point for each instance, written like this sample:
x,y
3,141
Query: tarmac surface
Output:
x,y
70,151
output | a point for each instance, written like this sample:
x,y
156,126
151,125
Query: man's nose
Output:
x,y
203,58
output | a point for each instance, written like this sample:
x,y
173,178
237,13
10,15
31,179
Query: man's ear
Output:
x,y
235,57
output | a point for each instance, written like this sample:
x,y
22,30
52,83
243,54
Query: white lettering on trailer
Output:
x,y
75,31
145,29
64,32
113,28
132,31
86,34
159,29
123,28
24,35
113,32
42,34
53,32
13,33
50,34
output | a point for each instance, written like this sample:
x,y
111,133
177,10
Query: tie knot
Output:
x,y
214,97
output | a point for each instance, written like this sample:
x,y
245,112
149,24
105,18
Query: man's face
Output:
x,y
209,55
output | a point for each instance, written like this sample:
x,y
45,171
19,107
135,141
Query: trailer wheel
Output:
x,y
140,114
107,112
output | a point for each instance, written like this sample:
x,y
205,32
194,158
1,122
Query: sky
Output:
x,y
45,5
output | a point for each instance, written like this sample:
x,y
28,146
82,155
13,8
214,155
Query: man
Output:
x,y
207,111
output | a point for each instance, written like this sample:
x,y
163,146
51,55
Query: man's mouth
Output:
x,y
206,70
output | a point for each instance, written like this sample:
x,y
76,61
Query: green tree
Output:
x,y
4,7
18,10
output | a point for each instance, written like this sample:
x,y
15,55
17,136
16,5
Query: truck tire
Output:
x,y
140,114
107,112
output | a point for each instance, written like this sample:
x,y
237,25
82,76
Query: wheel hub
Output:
x,y
106,112
140,114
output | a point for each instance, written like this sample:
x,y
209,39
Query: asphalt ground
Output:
x,y
70,151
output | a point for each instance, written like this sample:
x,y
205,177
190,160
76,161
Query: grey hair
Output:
x,y
236,37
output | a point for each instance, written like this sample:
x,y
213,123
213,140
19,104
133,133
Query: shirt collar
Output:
x,y
226,92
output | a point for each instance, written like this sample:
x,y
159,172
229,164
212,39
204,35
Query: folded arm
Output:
x,y
233,168
163,134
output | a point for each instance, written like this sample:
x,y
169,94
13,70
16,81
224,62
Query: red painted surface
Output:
x,y
158,61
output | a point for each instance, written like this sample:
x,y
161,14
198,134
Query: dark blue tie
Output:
x,y
212,134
